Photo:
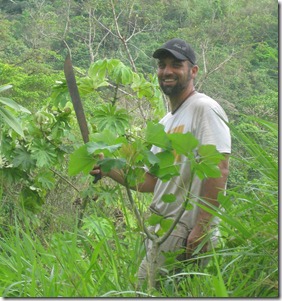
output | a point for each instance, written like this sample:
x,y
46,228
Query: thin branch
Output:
x,y
63,178
123,39
137,214
208,73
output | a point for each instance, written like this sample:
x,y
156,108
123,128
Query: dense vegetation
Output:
x,y
45,251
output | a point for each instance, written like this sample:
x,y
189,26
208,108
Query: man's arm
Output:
x,y
118,175
210,189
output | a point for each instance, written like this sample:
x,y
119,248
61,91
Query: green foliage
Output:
x,y
27,160
71,265
250,222
110,117
236,45
29,89
85,263
6,116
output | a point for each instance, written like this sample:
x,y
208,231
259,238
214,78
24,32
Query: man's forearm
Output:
x,y
209,192
147,186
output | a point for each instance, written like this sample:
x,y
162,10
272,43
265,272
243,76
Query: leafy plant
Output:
x,y
204,162
30,161
110,117
6,116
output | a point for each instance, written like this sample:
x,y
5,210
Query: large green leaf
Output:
x,y
44,153
98,69
207,165
166,169
110,163
46,179
84,158
156,135
209,154
12,104
98,147
204,171
150,157
11,121
23,159
183,143
110,117
121,74
81,161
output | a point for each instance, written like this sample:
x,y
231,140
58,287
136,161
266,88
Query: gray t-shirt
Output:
x,y
199,116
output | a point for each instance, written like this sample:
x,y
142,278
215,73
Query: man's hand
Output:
x,y
96,171
118,175
195,237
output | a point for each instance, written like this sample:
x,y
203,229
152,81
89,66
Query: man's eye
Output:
x,y
177,64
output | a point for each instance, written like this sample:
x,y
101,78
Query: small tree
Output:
x,y
131,157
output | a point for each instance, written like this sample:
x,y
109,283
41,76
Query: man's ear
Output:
x,y
194,71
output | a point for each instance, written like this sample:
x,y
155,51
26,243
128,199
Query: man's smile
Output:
x,y
169,80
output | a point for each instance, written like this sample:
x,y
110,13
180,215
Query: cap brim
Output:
x,y
163,51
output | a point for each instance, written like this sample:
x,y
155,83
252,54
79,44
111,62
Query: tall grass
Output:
x,y
101,259
83,263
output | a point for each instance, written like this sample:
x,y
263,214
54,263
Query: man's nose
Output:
x,y
167,70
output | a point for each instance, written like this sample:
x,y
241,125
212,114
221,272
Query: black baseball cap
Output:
x,y
179,49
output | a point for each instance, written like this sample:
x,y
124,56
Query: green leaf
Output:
x,y
81,161
106,136
150,157
22,158
154,219
44,153
12,104
207,165
121,74
46,179
110,117
156,135
108,164
11,121
209,154
88,85
168,198
166,169
166,224
98,147
98,69
204,171
5,87
183,143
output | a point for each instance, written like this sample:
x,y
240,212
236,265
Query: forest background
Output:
x,y
44,250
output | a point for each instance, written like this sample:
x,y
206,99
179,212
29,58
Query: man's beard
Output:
x,y
176,89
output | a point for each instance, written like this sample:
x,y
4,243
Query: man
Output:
x,y
193,112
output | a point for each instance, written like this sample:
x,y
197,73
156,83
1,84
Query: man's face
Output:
x,y
174,75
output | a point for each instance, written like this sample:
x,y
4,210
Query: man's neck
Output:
x,y
177,101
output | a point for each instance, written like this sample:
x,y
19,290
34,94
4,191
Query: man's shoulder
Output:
x,y
203,100
205,105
